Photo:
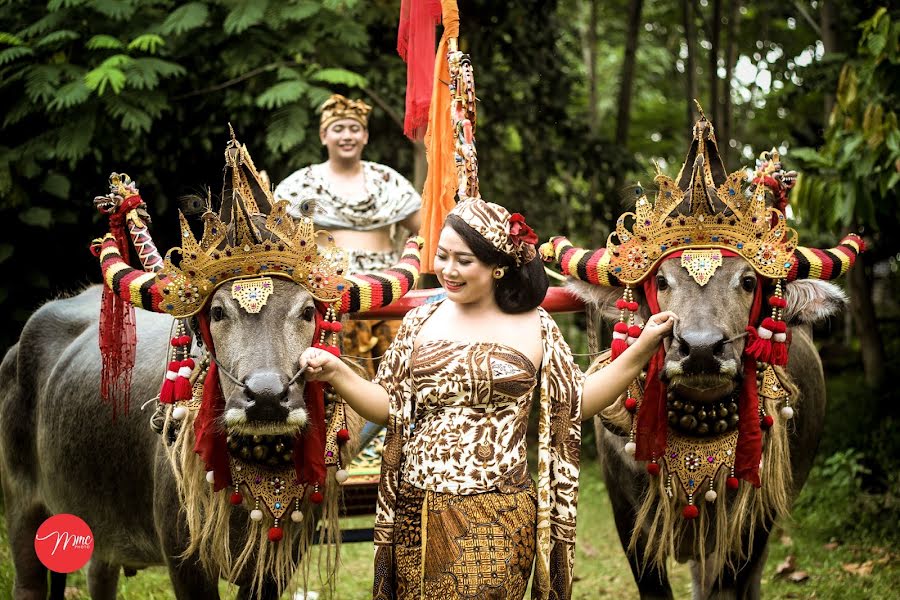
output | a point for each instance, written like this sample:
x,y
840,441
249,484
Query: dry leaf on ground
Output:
x,y
798,576
787,567
861,569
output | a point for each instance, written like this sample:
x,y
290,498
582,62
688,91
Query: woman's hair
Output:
x,y
521,288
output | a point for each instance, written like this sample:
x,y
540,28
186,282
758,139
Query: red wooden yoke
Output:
x,y
558,300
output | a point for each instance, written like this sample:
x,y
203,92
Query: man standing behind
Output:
x,y
361,203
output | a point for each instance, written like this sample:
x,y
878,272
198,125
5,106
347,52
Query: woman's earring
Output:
x,y
499,272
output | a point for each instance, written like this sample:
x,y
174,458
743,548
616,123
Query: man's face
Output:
x,y
345,139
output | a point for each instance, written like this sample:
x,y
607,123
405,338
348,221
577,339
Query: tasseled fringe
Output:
x,y
208,517
724,522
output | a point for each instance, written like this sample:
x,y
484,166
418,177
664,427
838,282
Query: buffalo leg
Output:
x,y
103,579
269,591
31,575
744,584
190,582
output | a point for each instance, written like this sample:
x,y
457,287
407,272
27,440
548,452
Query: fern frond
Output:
x,y
245,15
148,42
184,18
44,24
10,39
103,42
133,118
145,73
12,54
69,95
293,12
74,139
337,76
287,129
282,93
55,5
109,73
118,10
41,82
56,37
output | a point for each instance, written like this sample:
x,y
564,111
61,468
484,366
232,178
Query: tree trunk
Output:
x,y
628,65
862,308
591,42
715,33
826,26
690,67
420,165
730,59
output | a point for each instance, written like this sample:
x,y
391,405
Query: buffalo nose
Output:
x,y
703,351
265,386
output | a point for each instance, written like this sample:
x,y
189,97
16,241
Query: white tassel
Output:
x,y
787,412
710,495
630,448
256,514
210,477
179,413
342,475
296,516
765,334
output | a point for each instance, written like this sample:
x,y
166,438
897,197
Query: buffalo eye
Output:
x,y
748,282
661,283
217,313
308,313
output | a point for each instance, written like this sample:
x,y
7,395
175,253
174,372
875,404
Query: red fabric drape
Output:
x,y
118,332
415,44
309,445
211,441
652,425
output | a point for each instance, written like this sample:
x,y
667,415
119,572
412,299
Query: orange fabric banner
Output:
x,y
438,195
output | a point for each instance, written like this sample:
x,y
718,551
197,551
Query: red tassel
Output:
x,y
618,347
236,498
316,497
167,391
653,469
275,534
758,348
779,354
690,512
182,382
343,435
732,483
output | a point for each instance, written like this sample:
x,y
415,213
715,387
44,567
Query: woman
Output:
x,y
458,514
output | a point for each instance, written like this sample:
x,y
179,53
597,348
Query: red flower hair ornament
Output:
x,y
519,231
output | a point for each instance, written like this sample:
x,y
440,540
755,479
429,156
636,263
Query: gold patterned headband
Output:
x,y
507,233
338,107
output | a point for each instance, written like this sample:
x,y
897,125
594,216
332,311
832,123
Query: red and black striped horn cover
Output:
x,y
371,291
141,288
591,266
812,263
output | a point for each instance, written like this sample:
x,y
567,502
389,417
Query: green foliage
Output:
x,y
852,179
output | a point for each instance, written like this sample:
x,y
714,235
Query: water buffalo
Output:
x,y
709,316
712,444
147,497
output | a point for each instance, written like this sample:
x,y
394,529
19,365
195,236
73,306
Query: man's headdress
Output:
x,y
338,107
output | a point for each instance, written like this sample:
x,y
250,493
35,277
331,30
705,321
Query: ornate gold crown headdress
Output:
x,y
338,107
703,208
251,236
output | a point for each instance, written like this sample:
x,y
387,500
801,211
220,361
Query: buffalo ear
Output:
x,y
811,301
602,297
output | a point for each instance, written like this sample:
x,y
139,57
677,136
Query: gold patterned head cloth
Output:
x,y
506,232
338,107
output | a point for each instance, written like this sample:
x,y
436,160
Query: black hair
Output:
x,y
521,288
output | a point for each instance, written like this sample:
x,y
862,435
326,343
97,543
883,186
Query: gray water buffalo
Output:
x,y
62,452
245,432
715,440
701,366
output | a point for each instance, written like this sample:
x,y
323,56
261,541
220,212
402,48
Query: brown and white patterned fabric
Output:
x,y
493,222
388,199
457,425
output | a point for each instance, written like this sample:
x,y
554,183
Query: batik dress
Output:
x,y
458,514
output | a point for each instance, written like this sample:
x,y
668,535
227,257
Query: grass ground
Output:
x,y
835,570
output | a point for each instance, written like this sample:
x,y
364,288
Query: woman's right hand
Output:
x,y
319,364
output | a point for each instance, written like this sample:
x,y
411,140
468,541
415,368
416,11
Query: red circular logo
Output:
x,y
64,543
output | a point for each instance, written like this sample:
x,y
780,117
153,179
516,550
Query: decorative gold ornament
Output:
x,y
695,462
701,264
252,294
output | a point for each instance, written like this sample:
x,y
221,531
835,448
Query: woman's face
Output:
x,y
465,278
